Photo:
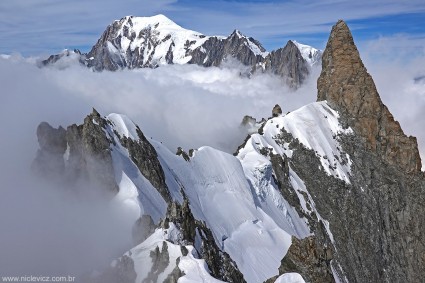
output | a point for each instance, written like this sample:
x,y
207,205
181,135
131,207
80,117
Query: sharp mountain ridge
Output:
x,y
149,42
331,192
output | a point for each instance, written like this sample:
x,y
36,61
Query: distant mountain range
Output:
x,y
149,42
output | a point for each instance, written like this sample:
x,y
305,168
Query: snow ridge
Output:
x,y
157,40
312,55
236,197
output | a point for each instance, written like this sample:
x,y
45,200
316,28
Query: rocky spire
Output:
x,y
348,88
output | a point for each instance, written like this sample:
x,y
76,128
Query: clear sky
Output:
x,y
40,27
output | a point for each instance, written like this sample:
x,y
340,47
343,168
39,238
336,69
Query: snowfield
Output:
x,y
235,196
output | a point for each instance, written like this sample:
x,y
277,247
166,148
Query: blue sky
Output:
x,y
40,27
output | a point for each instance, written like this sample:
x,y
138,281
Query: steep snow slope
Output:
x,y
158,37
236,197
312,55
144,256
220,195
139,42
135,191
290,278
316,126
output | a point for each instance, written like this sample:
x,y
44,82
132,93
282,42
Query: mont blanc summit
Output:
x,y
150,42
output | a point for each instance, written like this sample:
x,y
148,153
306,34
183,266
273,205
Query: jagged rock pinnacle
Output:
x,y
277,111
348,88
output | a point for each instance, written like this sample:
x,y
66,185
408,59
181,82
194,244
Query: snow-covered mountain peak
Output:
x,y
157,22
238,33
149,42
254,45
312,55
156,19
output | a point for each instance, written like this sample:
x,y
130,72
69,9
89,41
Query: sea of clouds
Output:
x,y
188,106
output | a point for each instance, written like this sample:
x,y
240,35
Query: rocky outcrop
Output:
x,y
287,63
90,154
78,156
196,233
373,232
276,111
101,56
309,259
377,233
144,155
347,86
160,261
215,50
56,57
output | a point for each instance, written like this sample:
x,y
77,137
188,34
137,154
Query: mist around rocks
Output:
x,y
187,106
48,229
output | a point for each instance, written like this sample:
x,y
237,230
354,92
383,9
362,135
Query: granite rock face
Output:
x,y
348,88
215,50
90,155
196,233
376,220
79,155
287,63
143,154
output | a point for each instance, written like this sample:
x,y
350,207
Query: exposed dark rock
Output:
x,y
348,88
144,155
277,111
248,121
174,276
196,233
311,256
54,58
181,152
100,58
160,261
216,50
287,63
90,154
88,160
378,236
310,259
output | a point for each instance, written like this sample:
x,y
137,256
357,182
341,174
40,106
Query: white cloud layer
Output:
x,y
48,232
187,106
